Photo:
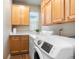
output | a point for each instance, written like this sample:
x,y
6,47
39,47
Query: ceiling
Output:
x,y
31,2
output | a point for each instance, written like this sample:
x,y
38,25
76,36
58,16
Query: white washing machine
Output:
x,y
53,47
34,51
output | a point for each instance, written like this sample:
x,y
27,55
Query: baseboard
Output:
x,y
9,56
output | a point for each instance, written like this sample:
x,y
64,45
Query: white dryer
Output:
x,y
53,47
34,52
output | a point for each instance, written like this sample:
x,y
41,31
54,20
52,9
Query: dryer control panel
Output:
x,y
47,47
39,42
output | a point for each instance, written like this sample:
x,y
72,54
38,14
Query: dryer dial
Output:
x,y
39,42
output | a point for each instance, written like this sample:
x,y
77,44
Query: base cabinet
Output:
x,y
24,44
19,44
14,44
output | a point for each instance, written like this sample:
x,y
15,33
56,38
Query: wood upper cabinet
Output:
x,y
72,10
66,3
57,11
48,18
20,15
42,3
42,15
25,16
46,1
15,15
69,10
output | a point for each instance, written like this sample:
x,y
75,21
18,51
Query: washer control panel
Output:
x,y
46,47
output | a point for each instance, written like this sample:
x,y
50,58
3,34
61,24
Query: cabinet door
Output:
x,y
42,3
46,1
24,15
15,45
42,16
66,10
15,15
57,11
69,10
25,56
24,44
72,10
48,13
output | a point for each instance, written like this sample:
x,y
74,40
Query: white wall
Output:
x,y
6,26
34,20
68,28
35,8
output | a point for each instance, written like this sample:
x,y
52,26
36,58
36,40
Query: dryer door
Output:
x,y
37,54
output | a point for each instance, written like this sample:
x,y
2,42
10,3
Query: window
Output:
x,y
34,20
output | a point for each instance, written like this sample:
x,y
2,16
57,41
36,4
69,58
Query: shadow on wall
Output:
x,y
67,29
6,26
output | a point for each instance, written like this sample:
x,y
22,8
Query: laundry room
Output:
x,y
39,29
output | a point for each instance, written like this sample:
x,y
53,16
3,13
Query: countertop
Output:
x,y
32,34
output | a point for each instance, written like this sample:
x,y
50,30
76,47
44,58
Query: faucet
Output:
x,y
60,31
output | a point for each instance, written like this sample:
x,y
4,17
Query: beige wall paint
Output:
x,y
68,29
6,26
